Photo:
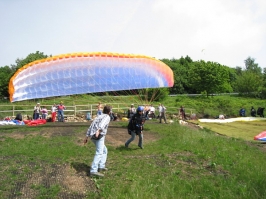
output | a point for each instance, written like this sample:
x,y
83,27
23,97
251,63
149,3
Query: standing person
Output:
x,y
131,111
97,132
135,127
44,112
253,112
182,113
99,108
162,111
60,112
53,110
152,111
36,111
146,111
242,112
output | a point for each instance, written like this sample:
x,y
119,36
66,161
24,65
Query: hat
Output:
x,y
38,103
132,104
61,102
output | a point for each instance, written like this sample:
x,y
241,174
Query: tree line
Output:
x,y
190,77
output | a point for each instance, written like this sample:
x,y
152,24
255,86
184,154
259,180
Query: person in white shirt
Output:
x,y
162,111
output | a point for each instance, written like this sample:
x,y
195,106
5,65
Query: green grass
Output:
x,y
242,130
182,163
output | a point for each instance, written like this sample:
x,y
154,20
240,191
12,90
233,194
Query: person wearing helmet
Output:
x,y
135,127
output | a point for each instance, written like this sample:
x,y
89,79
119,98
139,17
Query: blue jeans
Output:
x,y
36,116
133,136
100,156
60,116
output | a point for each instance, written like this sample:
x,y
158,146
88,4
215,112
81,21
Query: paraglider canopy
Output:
x,y
261,136
79,73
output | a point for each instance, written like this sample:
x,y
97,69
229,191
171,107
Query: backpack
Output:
x,y
135,124
131,125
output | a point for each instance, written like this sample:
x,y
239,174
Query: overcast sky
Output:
x,y
223,31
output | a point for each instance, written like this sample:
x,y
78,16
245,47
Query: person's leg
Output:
x,y
53,116
104,158
99,144
140,140
58,116
133,135
164,118
62,116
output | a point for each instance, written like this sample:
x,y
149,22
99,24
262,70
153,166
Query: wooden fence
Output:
x,y
119,108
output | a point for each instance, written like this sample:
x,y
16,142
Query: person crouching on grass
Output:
x,y
97,132
135,127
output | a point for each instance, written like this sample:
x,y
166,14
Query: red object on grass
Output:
x,y
35,122
261,136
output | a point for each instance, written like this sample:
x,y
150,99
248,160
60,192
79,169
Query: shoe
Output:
x,y
96,174
102,169
140,147
126,145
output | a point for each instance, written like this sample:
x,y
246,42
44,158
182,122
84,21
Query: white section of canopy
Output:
x,y
242,119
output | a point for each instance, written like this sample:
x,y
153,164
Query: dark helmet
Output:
x,y
140,108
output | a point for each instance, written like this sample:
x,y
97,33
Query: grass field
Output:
x,y
50,161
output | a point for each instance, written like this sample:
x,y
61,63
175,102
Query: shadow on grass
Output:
x,y
123,148
81,167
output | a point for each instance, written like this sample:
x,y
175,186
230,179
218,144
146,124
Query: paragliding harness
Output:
x,y
136,123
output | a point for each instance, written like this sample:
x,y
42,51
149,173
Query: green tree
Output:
x,y
248,83
252,66
153,94
180,69
5,74
209,77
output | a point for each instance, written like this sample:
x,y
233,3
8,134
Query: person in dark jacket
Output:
x,y
253,112
135,127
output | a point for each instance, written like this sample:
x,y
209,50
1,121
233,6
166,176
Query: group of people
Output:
x,y
253,112
149,112
98,130
42,112
259,112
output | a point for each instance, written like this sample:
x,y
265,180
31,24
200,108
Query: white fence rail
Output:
x,y
13,110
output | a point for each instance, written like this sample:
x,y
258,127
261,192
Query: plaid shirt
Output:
x,y
101,122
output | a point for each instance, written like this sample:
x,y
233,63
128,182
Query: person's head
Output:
x,y
61,102
38,104
132,105
106,109
140,109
